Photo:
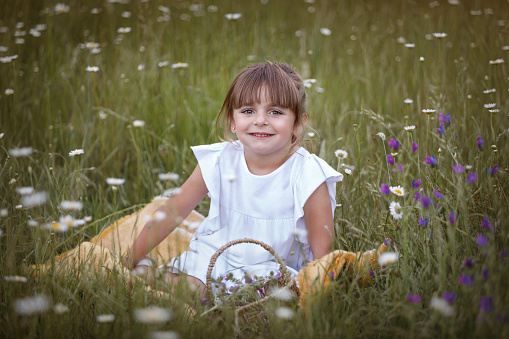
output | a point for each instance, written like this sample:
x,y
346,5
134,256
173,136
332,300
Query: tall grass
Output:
x,y
363,71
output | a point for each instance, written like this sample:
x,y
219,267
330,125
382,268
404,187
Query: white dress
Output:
x,y
268,208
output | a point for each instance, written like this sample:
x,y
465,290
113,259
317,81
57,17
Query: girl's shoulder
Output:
x,y
308,165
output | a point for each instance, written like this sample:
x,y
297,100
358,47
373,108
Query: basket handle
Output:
x,y
285,274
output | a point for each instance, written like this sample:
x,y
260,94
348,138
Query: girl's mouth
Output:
x,y
260,135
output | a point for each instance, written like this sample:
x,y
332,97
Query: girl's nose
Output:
x,y
260,119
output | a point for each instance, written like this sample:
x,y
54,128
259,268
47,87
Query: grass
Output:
x,y
364,73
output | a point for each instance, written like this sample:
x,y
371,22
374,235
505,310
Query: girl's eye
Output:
x,y
275,112
248,111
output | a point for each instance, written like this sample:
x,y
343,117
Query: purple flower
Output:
x,y
485,273
480,142
472,177
423,221
384,188
486,224
417,183
417,196
414,146
468,263
431,160
399,168
387,242
437,194
425,202
485,304
452,218
441,130
458,168
449,297
481,240
502,254
413,298
445,119
466,279
394,143
493,170
371,273
331,275
390,159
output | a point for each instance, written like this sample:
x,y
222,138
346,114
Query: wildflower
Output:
x,y
398,190
494,111
285,313
466,279
348,171
396,210
440,129
387,242
325,31
32,223
341,154
497,61
486,224
152,315
485,304
481,240
437,194
417,196
68,205
60,308
138,123
452,218
423,221
408,101
449,297
421,59
233,16
381,135
425,201
468,262
168,176
502,254
394,143
156,216
414,146
4,212
162,64
490,105
458,168
92,69
445,119
311,134
442,306
439,35
9,91
115,181
417,183
409,128
123,30
480,142
409,45
431,160
384,189
472,177
387,258
180,65
25,190
55,226
15,278
35,199
105,318
76,152
31,305
413,298
390,159
468,167
428,111
282,293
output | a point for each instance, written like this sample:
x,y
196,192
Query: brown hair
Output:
x,y
284,86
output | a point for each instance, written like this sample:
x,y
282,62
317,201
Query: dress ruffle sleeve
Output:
x,y
313,173
208,158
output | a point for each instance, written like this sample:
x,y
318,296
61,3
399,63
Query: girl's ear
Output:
x,y
301,127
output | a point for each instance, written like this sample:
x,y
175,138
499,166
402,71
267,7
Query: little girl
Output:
x,y
263,186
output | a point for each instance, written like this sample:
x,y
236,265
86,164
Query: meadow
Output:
x,y
408,99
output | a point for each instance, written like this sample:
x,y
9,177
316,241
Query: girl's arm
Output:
x,y
317,215
177,208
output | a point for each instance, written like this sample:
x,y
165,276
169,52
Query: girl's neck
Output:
x,y
259,164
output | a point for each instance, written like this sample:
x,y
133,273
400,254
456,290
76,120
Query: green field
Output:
x,y
81,75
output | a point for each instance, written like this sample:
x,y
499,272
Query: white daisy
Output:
x,y
442,306
9,91
68,205
92,69
115,181
152,315
408,101
168,176
76,152
497,61
388,258
439,35
233,16
106,318
180,65
25,190
396,210
15,278
31,305
325,31
138,123
60,308
284,313
409,128
428,111
398,190
123,30
35,199
342,154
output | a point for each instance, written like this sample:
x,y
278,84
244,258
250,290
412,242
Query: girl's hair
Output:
x,y
284,86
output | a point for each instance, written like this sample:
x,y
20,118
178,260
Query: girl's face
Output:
x,y
264,128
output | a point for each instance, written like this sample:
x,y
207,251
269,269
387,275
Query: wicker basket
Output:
x,y
255,310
